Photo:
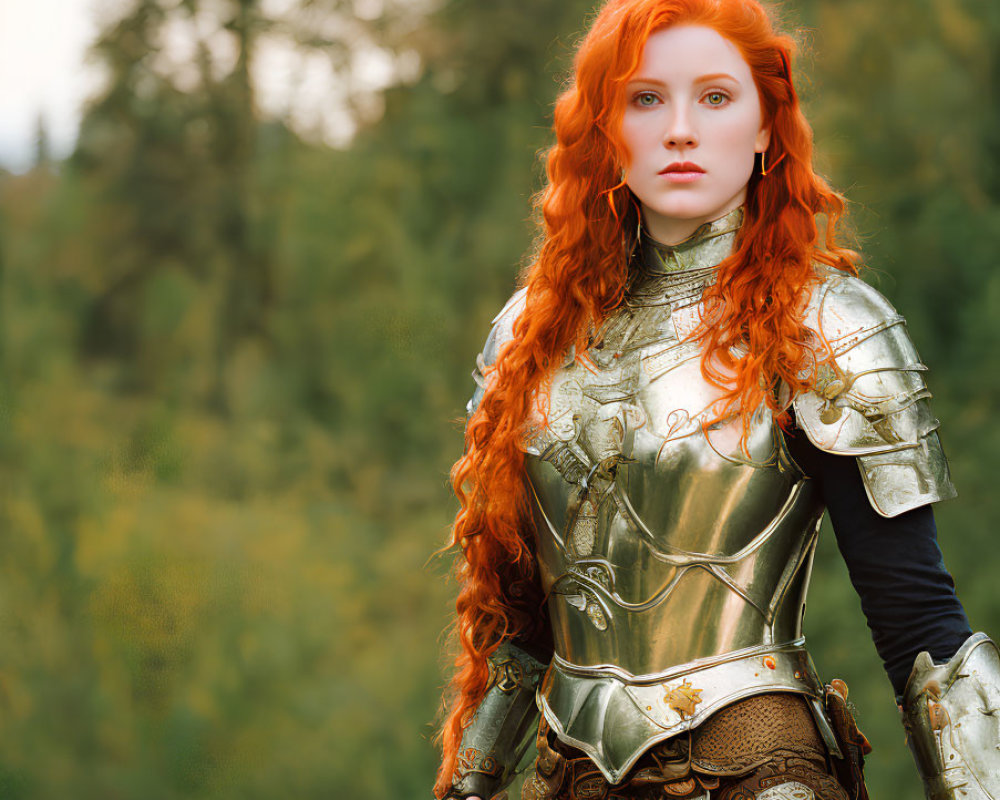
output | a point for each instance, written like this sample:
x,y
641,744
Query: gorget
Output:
x,y
675,559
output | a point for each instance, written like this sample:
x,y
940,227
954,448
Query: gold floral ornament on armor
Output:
x,y
683,699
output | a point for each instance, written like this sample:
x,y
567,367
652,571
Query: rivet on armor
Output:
x,y
937,715
830,414
770,663
833,388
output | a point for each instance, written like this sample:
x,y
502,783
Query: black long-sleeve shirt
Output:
x,y
895,564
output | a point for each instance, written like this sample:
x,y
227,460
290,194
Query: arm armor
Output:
x,y
502,727
506,720
950,713
870,400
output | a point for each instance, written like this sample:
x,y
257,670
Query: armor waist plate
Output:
x,y
614,719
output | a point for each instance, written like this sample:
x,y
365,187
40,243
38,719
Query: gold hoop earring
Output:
x,y
763,167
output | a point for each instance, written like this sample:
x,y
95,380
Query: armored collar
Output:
x,y
677,274
706,247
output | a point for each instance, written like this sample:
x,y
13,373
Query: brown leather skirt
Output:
x,y
738,753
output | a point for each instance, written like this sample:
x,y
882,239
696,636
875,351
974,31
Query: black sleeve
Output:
x,y
895,564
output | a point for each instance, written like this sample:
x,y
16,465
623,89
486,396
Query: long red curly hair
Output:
x,y
580,275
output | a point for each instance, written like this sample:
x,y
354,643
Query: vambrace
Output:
x,y
502,727
951,713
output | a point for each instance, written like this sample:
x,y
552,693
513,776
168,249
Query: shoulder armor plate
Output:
x,y
501,333
870,400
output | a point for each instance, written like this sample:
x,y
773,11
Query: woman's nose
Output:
x,y
680,130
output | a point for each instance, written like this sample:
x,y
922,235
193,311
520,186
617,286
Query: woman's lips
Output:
x,y
682,172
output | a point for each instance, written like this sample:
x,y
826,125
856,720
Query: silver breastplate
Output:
x,y
660,542
675,559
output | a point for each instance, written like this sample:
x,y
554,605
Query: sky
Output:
x,y
43,74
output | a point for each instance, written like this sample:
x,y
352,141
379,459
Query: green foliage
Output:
x,y
234,366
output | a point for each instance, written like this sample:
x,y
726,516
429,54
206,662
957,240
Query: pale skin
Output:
x,y
693,126
692,101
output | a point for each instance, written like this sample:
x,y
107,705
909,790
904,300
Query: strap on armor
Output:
x,y
870,400
853,744
950,713
502,727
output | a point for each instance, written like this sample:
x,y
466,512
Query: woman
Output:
x,y
690,376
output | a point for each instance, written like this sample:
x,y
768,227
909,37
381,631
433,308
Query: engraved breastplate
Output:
x,y
676,561
661,542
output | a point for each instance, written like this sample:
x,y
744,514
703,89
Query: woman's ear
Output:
x,y
763,139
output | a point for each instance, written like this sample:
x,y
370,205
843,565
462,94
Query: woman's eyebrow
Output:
x,y
700,79
715,76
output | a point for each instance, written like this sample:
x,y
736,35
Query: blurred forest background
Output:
x,y
234,361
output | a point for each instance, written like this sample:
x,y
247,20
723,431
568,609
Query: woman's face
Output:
x,y
692,126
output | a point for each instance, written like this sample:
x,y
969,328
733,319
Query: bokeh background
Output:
x,y
235,346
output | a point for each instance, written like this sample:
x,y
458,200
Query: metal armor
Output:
x,y
675,556
870,400
503,726
951,713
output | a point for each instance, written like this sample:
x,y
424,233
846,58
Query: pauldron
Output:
x,y
870,400
503,726
501,333
951,713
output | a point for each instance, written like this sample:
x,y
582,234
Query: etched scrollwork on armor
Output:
x,y
506,674
787,790
496,736
584,530
471,759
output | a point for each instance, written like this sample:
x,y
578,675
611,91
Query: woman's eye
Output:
x,y
646,99
716,98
